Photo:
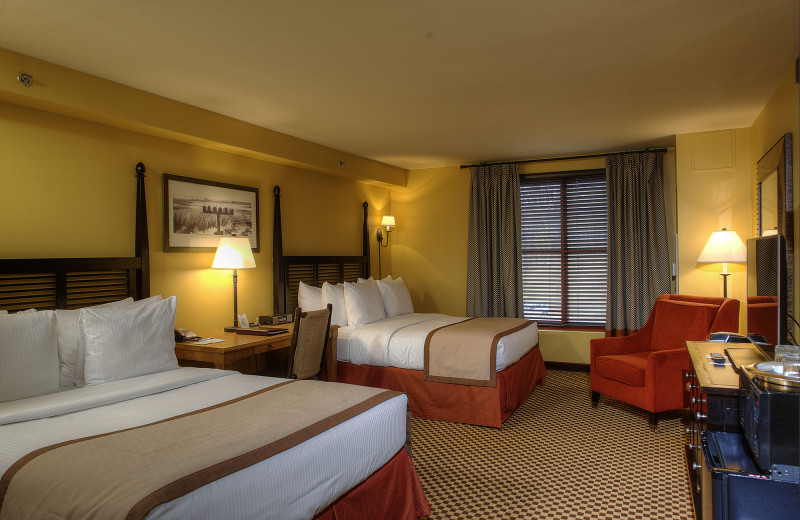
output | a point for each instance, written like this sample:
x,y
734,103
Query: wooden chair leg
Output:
x,y
654,419
595,398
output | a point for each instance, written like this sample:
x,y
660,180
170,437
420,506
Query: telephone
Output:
x,y
185,335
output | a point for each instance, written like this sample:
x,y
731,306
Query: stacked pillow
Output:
x,y
358,303
43,351
28,355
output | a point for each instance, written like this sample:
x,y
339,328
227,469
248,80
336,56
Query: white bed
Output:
x,y
380,342
399,341
302,480
128,376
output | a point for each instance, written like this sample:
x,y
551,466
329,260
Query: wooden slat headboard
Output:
x,y
289,271
71,283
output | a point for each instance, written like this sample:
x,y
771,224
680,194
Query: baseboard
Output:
x,y
571,367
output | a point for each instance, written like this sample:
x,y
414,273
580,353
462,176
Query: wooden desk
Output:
x,y
713,392
239,346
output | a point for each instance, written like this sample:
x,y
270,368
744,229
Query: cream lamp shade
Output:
x,y
387,221
723,247
234,253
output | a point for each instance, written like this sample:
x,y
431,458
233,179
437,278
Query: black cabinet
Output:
x,y
735,489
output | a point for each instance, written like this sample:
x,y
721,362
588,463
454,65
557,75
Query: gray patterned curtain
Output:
x,y
638,251
494,266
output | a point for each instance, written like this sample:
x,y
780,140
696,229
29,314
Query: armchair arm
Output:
x,y
637,342
664,377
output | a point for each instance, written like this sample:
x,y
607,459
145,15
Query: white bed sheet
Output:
x,y
399,341
297,483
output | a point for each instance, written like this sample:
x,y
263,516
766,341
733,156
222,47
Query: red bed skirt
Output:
x,y
480,405
392,492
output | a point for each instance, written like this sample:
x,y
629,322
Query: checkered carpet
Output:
x,y
556,458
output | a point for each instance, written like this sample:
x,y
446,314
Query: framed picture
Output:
x,y
198,212
243,323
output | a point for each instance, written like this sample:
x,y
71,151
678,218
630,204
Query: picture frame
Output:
x,y
198,212
242,319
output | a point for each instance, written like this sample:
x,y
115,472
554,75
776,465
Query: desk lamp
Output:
x,y
234,253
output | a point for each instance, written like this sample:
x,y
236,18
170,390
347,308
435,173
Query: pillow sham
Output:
x,y
309,298
396,298
334,294
79,362
128,341
363,303
28,355
70,352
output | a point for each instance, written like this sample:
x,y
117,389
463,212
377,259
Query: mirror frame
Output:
x,y
779,158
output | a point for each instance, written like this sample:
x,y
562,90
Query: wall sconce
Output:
x,y
723,247
388,221
234,253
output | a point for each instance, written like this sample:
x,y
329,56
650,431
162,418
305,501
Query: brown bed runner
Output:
x,y
465,353
125,474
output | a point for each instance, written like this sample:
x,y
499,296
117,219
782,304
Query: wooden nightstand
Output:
x,y
240,346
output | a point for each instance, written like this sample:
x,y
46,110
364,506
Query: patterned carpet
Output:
x,y
556,458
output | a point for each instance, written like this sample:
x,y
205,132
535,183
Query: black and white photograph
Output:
x,y
198,212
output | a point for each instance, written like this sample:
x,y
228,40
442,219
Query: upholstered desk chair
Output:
x,y
309,341
645,368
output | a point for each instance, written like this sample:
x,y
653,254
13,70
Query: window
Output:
x,y
564,258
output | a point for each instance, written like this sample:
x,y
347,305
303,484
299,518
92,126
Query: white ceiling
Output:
x,y
423,83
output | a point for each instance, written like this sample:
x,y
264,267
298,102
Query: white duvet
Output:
x,y
400,341
297,483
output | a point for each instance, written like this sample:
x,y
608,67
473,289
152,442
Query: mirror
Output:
x,y
768,214
774,198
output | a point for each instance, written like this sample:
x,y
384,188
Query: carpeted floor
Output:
x,y
556,458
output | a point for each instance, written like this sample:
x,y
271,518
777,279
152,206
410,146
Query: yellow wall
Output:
x,y
713,173
69,190
779,117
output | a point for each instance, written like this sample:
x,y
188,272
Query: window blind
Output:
x,y
564,257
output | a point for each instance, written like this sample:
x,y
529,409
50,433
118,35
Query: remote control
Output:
x,y
717,358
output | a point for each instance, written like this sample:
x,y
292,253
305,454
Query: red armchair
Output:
x,y
645,368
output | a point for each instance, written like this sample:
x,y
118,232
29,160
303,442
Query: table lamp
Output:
x,y
723,247
234,253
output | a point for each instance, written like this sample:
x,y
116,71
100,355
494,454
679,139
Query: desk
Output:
x,y
713,392
240,346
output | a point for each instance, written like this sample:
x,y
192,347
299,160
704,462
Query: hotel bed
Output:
x,y
382,343
186,442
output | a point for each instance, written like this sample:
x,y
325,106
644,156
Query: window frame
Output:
x,y
564,251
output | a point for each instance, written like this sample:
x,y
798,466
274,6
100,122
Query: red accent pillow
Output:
x,y
677,322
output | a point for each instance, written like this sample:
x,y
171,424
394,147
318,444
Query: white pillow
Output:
x,y
128,341
334,294
70,350
363,302
3,312
26,311
309,298
396,298
28,355
81,357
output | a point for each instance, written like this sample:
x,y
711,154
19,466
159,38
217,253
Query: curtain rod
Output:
x,y
588,156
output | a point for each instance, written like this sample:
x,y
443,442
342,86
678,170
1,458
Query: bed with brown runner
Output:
x,y
98,420
382,343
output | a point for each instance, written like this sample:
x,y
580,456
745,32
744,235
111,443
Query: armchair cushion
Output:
x,y
625,368
678,321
